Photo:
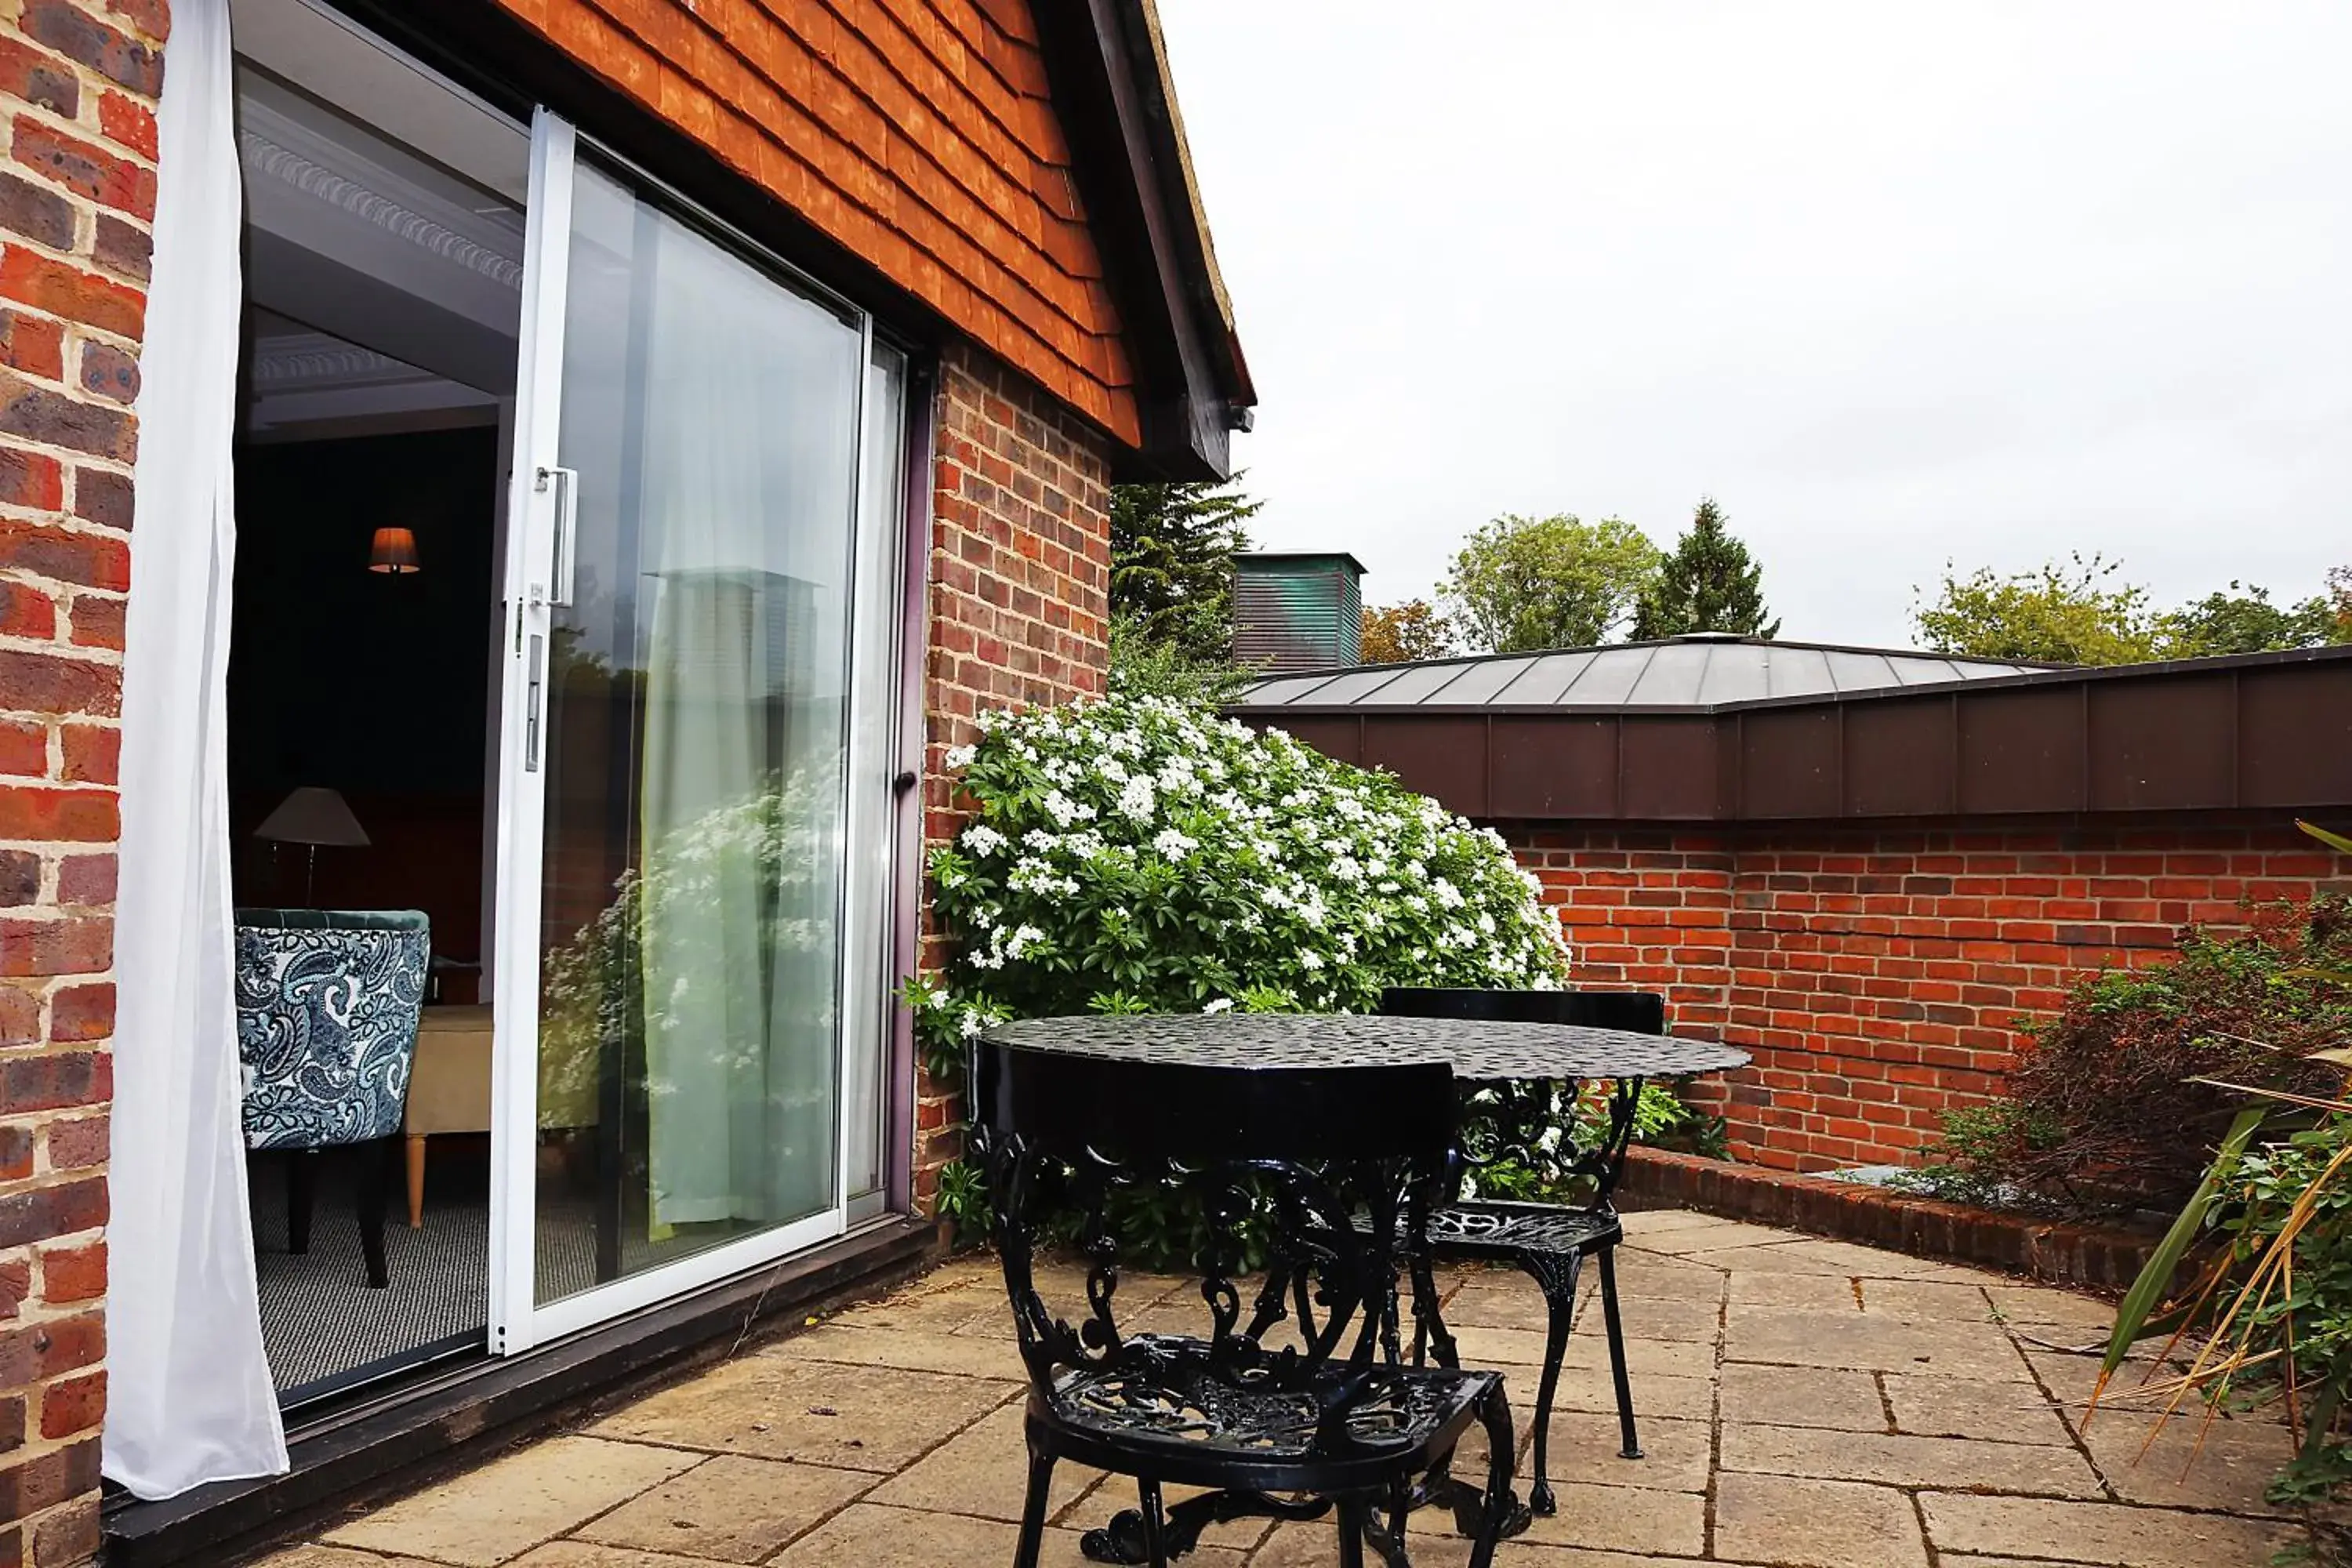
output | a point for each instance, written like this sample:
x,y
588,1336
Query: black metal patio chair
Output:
x,y
1550,1242
1336,1421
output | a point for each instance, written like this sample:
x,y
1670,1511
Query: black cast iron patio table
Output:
x,y
1512,1069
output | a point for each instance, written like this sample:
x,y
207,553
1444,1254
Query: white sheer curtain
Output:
x,y
189,1398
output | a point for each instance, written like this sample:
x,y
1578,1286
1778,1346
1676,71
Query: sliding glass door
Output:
x,y
702,594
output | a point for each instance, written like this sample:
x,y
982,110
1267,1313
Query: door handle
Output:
x,y
563,546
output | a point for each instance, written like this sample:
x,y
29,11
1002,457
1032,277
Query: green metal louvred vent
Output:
x,y
1298,610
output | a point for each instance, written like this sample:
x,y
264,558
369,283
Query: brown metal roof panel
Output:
x,y
2294,737
1666,770
1789,763
1898,757
1440,754
2022,749
1546,678
2162,744
1554,766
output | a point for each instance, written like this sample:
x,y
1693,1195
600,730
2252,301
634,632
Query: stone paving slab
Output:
x,y
1804,1404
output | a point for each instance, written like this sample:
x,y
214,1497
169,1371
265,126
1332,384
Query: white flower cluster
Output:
x,y
1140,853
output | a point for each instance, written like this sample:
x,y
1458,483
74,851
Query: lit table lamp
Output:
x,y
313,815
393,551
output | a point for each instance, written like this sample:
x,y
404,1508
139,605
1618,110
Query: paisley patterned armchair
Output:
x,y
327,1005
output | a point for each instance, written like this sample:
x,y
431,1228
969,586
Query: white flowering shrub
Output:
x,y
1140,854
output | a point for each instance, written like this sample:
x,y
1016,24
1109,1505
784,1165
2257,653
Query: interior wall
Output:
x,y
366,682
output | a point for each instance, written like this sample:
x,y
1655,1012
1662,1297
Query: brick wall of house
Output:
x,y
1020,600
1879,977
918,135
79,80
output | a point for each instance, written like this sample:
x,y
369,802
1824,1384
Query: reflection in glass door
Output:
x,y
687,652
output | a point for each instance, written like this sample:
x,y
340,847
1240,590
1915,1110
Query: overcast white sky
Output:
x,y
1893,283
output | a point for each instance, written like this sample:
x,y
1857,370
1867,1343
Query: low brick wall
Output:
x,y
2063,1254
1880,976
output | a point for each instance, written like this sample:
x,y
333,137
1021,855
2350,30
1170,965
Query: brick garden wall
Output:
x,y
1019,610
79,80
1879,976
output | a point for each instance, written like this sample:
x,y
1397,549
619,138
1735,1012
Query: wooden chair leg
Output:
x,y
370,1192
301,1187
416,1181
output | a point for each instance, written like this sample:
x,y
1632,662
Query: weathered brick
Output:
x,y
76,1143
20,1015
79,1014
33,682
78,1272
16,1143
86,880
78,35
80,944
24,747
50,1349
58,816
63,289
36,1214
128,121
40,79
53,418
31,479
122,246
32,345
47,1479
108,372
20,877
69,1537
98,622
83,168
26,611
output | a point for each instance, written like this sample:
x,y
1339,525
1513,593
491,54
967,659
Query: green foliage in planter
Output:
x,y
2105,1110
1142,855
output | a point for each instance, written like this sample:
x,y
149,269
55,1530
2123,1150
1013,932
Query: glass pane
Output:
x,y
697,707
873,757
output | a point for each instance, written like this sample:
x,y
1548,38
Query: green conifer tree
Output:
x,y
1707,585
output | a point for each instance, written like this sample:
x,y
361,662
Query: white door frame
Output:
x,y
517,1320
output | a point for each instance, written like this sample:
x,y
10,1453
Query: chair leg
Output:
x,y
1632,1448
416,1181
1155,1522
1559,1302
301,1187
370,1193
1353,1512
1495,1413
1032,1505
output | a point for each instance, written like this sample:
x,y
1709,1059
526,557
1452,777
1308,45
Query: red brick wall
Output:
x,y
1020,600
1879,977
77,85
917,133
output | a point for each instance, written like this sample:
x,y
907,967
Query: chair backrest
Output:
x,y
1639,1012
1331,1162
326,1011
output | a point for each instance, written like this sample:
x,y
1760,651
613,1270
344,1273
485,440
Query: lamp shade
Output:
x,y
393,550
313,815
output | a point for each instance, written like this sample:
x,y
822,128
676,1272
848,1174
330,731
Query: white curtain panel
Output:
x,y
189,1398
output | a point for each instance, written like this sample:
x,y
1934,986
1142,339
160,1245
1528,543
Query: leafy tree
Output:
x,y
1171,564
1708,585
1140,666
2244,620
1414,629
1524,583
2055,615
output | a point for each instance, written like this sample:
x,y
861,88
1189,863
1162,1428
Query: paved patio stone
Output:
x,y
1815,1524
1626,1518
1895,1460
983,1470
859,1419
2104,1533
889,1437
1957,1407
486,1516
1803,1396
728,1509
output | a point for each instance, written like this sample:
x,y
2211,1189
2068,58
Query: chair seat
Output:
x,y
1170,1405
1496,1228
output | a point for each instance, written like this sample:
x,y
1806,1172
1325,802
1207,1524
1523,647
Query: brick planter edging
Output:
x,y
2056,1251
